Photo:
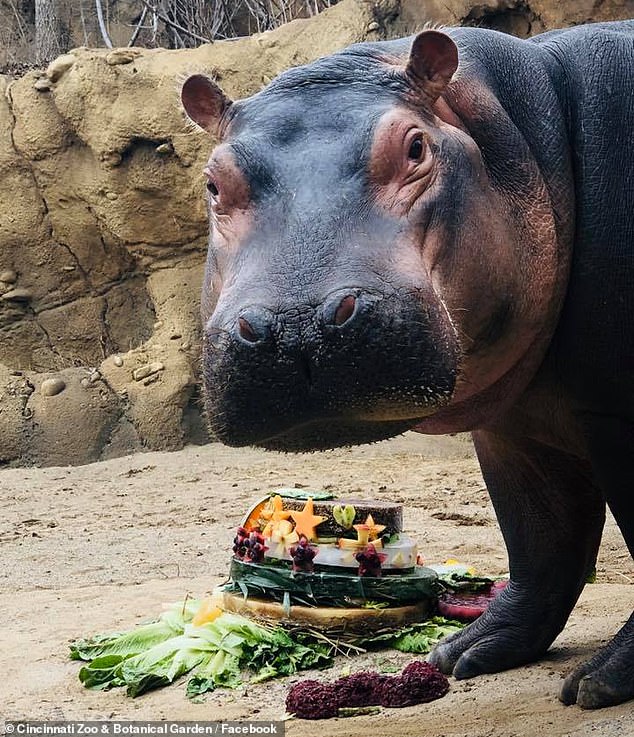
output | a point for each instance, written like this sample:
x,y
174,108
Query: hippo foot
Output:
x,y
511,632
606,679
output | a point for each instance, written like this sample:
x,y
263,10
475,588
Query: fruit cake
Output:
x,y
301,549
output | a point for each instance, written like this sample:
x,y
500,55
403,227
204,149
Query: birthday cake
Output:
x,y
308,556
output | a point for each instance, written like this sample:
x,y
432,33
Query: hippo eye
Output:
x,y
416,149
212,188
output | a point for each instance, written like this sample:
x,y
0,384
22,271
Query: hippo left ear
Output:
x,y
204,102
432,62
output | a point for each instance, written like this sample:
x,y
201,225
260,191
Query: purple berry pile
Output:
x,y
419,683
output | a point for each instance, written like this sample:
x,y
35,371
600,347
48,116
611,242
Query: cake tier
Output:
x,y
340,514
331,620
400,554
383,513
281,584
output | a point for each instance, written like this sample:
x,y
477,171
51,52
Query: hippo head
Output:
x,y
359,280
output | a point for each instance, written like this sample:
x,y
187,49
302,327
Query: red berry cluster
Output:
x,y
360,689
249,545
312,700
302,554
370,561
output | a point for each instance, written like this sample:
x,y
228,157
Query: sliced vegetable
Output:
x,y
344,515
207,612
306,521
466,606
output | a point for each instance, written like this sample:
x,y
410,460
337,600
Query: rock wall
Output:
x,y
103,237
520,17
103,232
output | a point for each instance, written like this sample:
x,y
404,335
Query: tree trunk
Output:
x,y
48,31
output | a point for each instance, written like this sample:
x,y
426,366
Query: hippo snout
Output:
x,y
357,366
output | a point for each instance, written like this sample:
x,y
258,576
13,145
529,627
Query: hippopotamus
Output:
x,y
436,233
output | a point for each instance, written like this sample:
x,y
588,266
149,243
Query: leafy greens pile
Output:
x,y
420,638
220,653
216,653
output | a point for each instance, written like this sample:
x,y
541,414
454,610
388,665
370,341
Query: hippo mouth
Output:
x,y
300,421
278,404
330,434
322,433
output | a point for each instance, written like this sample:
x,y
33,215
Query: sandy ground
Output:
x,y
101,547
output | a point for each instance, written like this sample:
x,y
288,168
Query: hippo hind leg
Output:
x,y
608,678
552,516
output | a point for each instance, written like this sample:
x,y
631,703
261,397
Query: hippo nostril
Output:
x,y
345,310
246,331
254,324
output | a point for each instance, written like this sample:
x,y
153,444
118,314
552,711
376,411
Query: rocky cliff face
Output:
x,y
103,236
103,231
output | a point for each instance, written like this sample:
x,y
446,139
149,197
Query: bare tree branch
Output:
x,y
137,30
172,24
102,25
82,17
20,22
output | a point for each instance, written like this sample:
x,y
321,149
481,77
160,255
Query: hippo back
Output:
x,y
592,70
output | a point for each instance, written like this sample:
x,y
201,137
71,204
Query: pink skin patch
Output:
x,y
473,272
229,198
230,212
401,162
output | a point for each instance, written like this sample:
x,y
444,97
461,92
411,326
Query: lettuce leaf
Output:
x,y
157,666
217,669
161,665
102,673
169,624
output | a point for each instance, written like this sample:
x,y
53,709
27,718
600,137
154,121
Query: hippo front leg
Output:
x,y
551,517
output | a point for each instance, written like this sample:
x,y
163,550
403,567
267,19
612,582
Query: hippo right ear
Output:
x,y
204,102
432,62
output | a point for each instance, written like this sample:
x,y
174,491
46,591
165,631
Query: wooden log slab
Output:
x,y
333,620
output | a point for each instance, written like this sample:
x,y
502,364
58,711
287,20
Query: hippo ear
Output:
x,y
432,62
204,102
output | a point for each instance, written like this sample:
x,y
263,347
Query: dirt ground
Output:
x,y
102,547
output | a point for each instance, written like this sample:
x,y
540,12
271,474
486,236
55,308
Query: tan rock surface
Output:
x,y
102,223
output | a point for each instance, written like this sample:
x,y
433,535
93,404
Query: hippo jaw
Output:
x,y
311,384
328,435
